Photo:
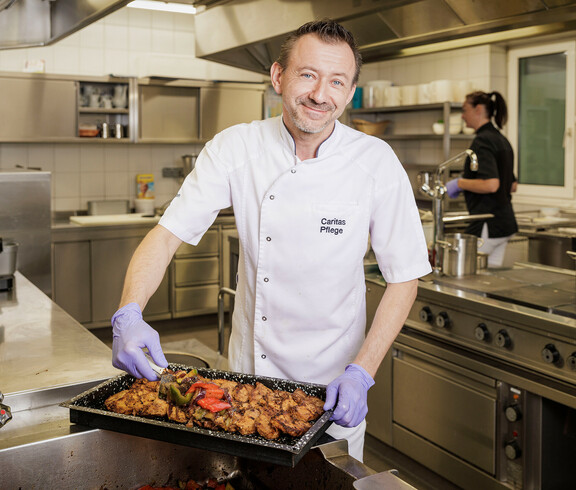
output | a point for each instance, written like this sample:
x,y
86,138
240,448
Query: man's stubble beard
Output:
x,y
307,126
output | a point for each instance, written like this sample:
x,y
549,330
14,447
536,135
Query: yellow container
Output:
x,y
145,186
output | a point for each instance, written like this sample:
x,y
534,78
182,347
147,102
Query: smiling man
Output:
x,y
307,194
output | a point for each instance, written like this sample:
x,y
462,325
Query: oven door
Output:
x,y
450,407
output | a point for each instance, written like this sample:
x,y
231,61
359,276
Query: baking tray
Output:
x,y
88,409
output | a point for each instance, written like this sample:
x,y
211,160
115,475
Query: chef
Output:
x,y
307,194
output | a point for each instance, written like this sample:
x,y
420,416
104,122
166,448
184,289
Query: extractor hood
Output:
x,y
28,23
248,33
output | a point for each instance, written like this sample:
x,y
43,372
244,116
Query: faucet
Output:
x,y
437,193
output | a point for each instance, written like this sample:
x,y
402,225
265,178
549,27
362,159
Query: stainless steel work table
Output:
x,y
42,346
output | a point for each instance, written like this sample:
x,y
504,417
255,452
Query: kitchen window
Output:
x,y
541,119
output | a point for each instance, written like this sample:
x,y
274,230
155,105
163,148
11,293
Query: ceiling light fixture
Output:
x,y
180,8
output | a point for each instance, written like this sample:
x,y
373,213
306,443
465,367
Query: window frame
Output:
x,y
514,55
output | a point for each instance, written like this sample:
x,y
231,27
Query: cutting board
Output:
x,y
114,219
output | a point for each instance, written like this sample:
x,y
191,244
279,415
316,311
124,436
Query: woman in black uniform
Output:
x,y
489,189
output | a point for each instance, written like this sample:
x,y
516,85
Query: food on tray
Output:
x,y
221,404
211,484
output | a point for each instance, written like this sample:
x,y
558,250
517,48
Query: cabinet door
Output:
x,y
34,109
188,272
71,279
208,245
168,113
110,259
379,418
223,107
195,300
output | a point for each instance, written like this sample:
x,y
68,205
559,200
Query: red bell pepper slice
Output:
x,y
212,390
213,404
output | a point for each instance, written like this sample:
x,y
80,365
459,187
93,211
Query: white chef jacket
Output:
x,y
303,228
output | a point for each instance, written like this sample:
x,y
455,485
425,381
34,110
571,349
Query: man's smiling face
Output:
x,y
316,85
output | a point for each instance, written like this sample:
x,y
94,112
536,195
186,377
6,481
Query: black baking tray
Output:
x,y
88,409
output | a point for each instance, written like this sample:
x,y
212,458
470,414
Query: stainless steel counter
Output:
x,y
46,357
41,346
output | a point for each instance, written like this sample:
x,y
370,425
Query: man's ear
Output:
x,y
351,94
275,75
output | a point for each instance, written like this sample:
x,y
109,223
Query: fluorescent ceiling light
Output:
x,y
180,8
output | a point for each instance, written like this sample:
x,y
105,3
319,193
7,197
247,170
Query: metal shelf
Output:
x,y
101,110
408,108
438,137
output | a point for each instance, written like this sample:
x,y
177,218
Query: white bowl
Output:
x,y
438,128
455,128
467,130
549,211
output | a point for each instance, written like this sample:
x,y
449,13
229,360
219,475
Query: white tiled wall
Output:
x,y
128,42
85,172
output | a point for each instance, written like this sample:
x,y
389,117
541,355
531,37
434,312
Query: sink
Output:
x,y
114,219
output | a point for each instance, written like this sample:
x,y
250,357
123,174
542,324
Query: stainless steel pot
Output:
x,y
461,255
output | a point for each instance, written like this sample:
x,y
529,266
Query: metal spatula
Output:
x,y
165,378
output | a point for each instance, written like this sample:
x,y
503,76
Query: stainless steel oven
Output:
x,y
480,391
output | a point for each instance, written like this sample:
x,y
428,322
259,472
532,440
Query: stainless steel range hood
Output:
x,y
248,33
28,23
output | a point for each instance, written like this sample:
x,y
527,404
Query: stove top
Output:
x,y
544,290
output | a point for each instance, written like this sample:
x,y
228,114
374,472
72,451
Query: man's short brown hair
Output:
x,y
328,31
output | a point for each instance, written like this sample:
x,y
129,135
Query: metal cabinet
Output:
x,y
196,276
226,104
168,113
89,266
108,263
37,109
188,111
378,420
71,278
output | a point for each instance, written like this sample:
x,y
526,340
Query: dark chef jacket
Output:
x,y
495,160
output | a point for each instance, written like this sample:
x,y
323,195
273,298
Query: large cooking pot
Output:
x,y
460,254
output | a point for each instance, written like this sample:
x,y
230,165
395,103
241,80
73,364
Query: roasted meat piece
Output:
x,y
292,425
245,422
141,399
264,425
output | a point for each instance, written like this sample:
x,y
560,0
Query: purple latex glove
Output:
x,y
351,391
452,188
130,335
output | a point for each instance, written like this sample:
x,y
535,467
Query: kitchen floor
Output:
x,y
378,456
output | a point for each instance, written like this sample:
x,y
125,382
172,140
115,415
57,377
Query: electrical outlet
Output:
x,y
174,172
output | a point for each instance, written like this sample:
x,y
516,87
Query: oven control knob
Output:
x,y
572,361
481,332
550,354
513,413
443,320
426,314
512,449
503,339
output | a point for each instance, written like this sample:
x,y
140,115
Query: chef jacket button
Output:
x,y
266,279
264,318
263,356
268,238
272,197
293,170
